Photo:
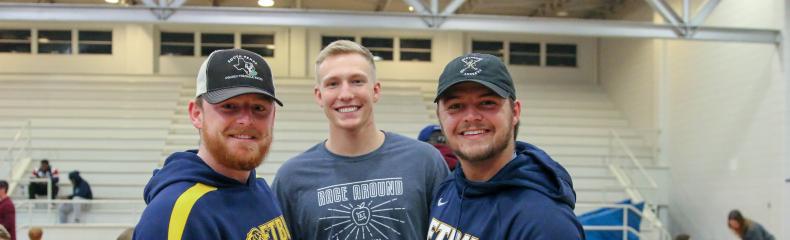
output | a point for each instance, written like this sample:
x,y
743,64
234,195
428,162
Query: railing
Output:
x,y
628,180
17,156
45,211
625,228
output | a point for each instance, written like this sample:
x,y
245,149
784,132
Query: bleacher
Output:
x,y
116,130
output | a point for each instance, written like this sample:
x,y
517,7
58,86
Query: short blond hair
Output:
x,y
340,47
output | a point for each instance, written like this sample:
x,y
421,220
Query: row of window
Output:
x,y
530,54
184,44
410,49
202,44
55,41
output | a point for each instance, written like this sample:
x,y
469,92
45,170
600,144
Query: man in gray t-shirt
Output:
x,y
361,183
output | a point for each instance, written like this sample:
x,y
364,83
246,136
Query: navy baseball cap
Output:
x,y
485,69
425,133
232,72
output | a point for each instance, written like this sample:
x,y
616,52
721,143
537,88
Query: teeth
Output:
x,y
347,109
244,136
475,132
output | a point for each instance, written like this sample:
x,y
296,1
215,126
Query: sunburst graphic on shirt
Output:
x,y
363,221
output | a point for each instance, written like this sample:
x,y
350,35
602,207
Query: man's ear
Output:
x,y
516,112
317,94
376,91
196,114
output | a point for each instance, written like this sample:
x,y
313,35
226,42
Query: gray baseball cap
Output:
x,y
485,69
232,72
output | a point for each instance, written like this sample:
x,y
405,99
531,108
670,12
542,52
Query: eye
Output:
x,y
259,108
357,82
229,106
488,103
330,84
454,106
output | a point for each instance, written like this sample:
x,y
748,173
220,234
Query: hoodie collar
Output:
x,y
531,168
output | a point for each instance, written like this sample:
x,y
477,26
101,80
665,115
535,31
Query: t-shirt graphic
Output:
x,y
369,209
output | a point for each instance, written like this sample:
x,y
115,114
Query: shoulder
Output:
x,y
312,154
171,208
539,217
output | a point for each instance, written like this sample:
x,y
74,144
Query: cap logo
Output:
x,y
244,64
471,69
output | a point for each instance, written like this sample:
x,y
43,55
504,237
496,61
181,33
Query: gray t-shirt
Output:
x,y
385,194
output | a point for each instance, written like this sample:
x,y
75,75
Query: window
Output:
x,y
54,41
490,47
525,54
211,42
95,42
563,55
15,40
177,44
326,40
380,47
415,50
262,44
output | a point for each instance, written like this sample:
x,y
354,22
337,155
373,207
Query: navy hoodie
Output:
x,y
81,187
531,197
189,200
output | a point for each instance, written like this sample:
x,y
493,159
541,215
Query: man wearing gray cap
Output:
x,y
212,192
502,189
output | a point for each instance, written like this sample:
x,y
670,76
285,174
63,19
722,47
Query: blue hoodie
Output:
x,y
531,197
189,200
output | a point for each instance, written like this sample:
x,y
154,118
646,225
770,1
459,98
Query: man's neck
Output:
x,y
354,142
208,158
481,171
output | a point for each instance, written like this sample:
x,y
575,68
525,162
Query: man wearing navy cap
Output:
x,y
503,189
433,135
212,192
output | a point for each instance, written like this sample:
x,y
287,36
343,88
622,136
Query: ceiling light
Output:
x,y
265,3
411,9
111,1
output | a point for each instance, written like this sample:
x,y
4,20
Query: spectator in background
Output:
x,y
7,211
433,134
40,188
683,237
745,228
81,192
126,234
35,233
4,235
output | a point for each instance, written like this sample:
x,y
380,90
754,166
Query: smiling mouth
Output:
x,y
347,109
244,137
474,132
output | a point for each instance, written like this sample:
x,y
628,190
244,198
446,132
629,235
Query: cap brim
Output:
x,y
498,90
218,96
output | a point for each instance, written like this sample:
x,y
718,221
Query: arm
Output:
x,y
281,193
547,223
437,174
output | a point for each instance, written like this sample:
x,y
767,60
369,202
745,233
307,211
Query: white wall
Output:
x,y
726,135
722,110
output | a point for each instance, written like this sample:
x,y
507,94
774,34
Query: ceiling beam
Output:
x,y
452,7
374,20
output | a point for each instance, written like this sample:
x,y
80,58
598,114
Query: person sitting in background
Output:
x,y
4,235
745,228
7,211
35,233
683,236
433,134
40,188
81,191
